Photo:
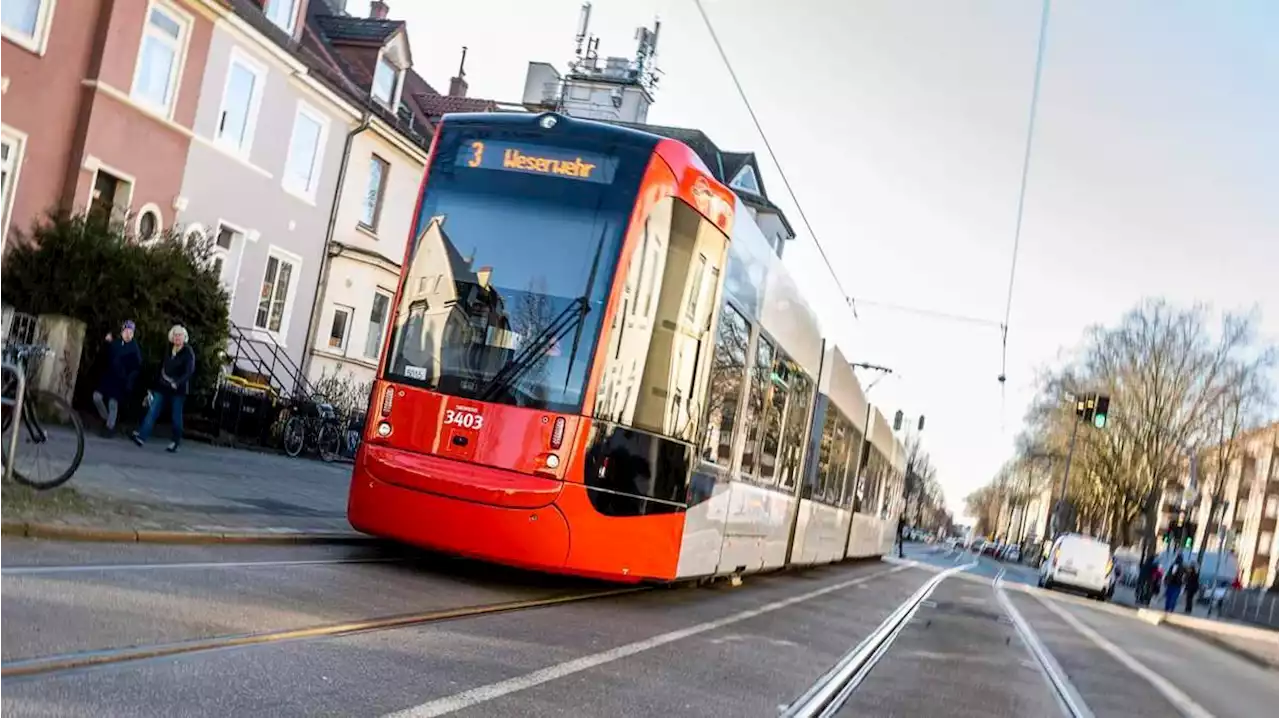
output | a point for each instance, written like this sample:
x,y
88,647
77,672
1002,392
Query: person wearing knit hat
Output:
x,y
122,362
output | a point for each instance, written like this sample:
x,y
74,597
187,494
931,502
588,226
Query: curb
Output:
x,y
63,532
1227,646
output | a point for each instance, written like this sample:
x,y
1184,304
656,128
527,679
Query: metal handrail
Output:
x,y
16,416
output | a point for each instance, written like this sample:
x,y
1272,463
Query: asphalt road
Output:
x,y
716,650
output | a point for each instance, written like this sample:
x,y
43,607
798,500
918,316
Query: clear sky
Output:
x,y
901,126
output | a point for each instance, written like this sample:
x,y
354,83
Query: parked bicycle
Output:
x,y
313,426
46,445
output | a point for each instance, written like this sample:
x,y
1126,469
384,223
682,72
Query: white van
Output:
x,y
1079,562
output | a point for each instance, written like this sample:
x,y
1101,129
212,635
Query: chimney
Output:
x,y
458,85
378,10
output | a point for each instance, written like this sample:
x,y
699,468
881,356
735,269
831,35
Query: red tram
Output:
x,y
546,390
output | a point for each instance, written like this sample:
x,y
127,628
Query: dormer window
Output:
x,y
282,13
385,78
388,73
746,180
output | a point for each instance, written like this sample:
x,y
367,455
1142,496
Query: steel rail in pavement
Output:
x,y
60,663
831,691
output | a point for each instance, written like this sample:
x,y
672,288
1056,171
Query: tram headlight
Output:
x,y
552,461
547,122
384,429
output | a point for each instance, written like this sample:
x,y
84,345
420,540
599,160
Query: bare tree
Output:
x,y
1245,401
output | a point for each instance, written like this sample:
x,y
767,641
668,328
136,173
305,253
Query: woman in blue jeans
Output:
x,y
175,378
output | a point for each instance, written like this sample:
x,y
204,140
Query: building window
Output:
x,y
26,22
1264,543
746,180
110,195
1269,510
377,325
10,161
241,97
155,81
148,223
283,13
374,190
306,150
338,328
385,78
273,301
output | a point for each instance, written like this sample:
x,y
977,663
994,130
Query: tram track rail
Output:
x,y
830,692
78,660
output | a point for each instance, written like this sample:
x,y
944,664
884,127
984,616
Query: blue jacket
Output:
x,y
123,361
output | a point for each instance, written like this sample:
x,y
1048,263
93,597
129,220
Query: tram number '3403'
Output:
x,y
465,419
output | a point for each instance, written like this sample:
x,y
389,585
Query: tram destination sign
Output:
x,y
536,160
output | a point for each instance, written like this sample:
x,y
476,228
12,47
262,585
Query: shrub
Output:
x,y
89,267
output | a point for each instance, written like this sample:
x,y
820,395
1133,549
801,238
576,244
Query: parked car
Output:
x,y
1079,562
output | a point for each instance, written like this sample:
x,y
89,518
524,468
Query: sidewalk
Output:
x,y
200,490
1257,645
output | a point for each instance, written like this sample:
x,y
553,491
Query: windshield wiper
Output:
x,y
536,348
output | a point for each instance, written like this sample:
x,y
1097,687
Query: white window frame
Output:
x,y
381,196
17,142
317,160
98,168
179,56
152,208
740,180
391,102
386,324
281,255
259,71
346,329
292,22
39,41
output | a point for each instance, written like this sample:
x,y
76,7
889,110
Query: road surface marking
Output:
x,y
1180,700
829,694
1068,697
486,693
103,567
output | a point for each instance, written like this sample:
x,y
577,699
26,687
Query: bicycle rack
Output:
x,y
16,413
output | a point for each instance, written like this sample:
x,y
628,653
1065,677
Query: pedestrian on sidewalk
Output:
x,y
1146,576
902,529
123,360
1173,585
1191,585
175,377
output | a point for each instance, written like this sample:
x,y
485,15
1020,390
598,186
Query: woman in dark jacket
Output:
x,y
123,360
175,378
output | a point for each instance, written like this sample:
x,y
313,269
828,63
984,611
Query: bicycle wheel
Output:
x,y
294,437
50,441
329,441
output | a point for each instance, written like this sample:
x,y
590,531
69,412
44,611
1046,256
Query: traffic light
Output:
x,y
897,421
1100,411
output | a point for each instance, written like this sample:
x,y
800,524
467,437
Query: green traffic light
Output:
x,y
1100,420
1186,542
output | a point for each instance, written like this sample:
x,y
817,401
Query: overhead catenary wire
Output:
x,y
724,57
1041,41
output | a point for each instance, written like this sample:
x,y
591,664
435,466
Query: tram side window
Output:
x,y
728,372
757,401
826,451
675,367
851,473
631,332
799,396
